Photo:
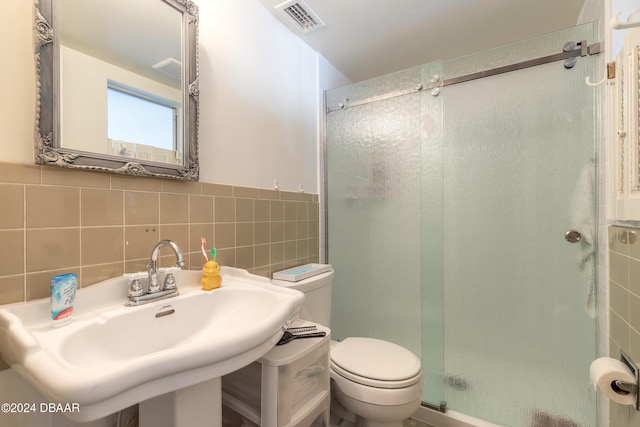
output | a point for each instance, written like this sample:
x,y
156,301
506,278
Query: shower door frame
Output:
x,y
570,55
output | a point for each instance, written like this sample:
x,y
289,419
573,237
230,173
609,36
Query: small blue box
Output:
x,y
63,292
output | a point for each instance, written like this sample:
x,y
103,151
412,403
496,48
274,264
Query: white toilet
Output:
x,y
378,381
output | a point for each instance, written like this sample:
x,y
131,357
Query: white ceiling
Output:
x,y
370,38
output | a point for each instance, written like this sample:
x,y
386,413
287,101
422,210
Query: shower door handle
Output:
x,y
572,236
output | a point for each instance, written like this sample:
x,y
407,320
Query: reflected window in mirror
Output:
x,y
142,125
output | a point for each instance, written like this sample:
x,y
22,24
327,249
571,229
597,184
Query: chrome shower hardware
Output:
x,y
572,236
627,237
570,54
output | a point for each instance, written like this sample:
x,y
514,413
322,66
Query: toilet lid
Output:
x,y
375,359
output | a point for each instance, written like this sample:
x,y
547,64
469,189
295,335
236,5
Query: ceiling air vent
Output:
x,y
171,67
301,15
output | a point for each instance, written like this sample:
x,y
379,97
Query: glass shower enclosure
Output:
x,y
455,196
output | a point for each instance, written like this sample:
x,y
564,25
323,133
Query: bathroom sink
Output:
x,y
111,356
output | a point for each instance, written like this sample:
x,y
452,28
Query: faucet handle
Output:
x,y
135,288
169,281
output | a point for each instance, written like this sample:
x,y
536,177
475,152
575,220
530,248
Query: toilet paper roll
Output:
x,y
603,373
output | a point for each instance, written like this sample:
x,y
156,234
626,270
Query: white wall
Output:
x,y
17,82
265,86
260,95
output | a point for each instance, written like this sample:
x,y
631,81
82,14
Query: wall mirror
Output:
x,y
117,86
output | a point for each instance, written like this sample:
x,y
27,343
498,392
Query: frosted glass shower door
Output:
x,y
447,212
519,298
376,214
374,221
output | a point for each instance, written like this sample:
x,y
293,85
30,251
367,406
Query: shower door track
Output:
x,y
570,53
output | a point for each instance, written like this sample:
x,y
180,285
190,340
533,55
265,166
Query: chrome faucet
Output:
x,y
152,266
155,291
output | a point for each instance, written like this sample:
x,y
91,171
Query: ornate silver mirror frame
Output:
x,y
48,147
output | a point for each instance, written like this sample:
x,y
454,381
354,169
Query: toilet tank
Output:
x,y
317,293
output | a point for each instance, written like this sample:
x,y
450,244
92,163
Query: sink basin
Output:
x,y
111,356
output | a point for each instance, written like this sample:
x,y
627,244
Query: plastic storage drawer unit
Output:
x,y
288,386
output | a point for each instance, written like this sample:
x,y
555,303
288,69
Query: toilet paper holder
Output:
x,y
624,387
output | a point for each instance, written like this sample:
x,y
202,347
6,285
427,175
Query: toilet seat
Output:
x,y
375,363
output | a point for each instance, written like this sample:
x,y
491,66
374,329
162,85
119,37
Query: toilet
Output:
x,y
378,381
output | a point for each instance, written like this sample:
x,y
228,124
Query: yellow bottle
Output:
x,y
211,274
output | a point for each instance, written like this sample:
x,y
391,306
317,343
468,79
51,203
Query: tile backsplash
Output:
x,y
624,309
102,225
624,291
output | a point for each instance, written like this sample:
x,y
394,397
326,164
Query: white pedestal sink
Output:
x,y
168,355
191,406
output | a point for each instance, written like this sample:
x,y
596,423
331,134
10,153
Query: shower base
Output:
x,y
449,419
457,419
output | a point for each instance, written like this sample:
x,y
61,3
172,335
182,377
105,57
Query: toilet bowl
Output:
x,y
378,381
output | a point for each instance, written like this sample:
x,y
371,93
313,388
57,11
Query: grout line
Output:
x,y
24,240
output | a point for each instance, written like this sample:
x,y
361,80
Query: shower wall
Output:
x,y
447,214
